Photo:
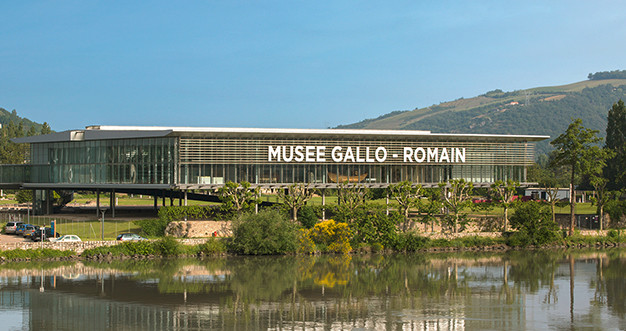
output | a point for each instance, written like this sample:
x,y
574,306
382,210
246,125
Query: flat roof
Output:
x,y
99,132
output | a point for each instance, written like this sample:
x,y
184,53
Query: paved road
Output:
x,y
11,238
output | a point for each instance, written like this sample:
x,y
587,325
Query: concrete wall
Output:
x,y
79,247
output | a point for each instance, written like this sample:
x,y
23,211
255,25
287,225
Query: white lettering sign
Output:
x,y
349,154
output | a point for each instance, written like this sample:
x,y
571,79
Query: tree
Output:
x,y
31,131
573,150
45,128
430,207
550,178
407,195
456,194
351,196
238,197
505,191
596,169
296,197
616,141
23,196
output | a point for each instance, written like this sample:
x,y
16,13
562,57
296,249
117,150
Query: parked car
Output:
x,y
11,227
20,229
66,238
47,233
28,230
129,237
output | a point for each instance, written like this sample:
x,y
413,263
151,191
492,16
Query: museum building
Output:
x,y
162,160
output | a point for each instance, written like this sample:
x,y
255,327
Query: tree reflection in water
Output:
x,y
513,290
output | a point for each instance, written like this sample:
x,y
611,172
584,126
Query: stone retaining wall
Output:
x,y
439,235
79,247
199,229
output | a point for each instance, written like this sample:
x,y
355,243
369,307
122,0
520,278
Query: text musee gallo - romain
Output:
x,y
348,154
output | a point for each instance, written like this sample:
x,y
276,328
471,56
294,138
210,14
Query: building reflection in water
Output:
x,y
516,290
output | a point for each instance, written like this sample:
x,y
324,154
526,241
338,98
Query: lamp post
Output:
x,y
103,210
43,231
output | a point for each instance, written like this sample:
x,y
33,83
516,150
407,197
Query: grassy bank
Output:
x,y
170,247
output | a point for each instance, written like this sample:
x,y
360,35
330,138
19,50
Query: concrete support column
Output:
x,y
185,198
112,204
98,203
163,196
156,201
49,196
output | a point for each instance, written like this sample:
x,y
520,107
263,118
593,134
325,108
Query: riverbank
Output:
x,y
170,247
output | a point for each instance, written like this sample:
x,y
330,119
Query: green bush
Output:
x,y
38,253
616,210
372,225
534,224
307,217
265,233
409,242
141,247
168,246
153,227
377,247
212,246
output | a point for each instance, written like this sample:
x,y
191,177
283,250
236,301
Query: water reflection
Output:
x,y
513,290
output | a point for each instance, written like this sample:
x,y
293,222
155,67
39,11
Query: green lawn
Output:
x,y
86,230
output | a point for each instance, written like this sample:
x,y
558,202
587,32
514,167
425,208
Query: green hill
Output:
x,y
541,111
7,117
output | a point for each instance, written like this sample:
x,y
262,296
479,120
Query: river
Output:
x,y
515,290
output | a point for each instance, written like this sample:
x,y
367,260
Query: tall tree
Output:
x,y
616,141
295,197
551,179
10,152
505,191
45,128
573,150
456,194
407,195
602,194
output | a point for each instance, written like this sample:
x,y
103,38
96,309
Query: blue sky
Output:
x,y
288,64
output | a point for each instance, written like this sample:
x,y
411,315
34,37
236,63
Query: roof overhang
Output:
x,y
321,133
82,135
102,132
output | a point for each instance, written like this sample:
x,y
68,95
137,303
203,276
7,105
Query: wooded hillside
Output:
x,y
541,111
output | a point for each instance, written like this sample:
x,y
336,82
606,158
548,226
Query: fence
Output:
x,y
86,229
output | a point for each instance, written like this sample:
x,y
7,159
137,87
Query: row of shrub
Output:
x,y
328,237
179,213
34,254
165,247
369,227
270,232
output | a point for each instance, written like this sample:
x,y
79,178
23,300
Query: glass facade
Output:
x,y
207,158
14,173
116,161
213,161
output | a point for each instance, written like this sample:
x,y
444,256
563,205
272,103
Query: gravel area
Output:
x,y
11,238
